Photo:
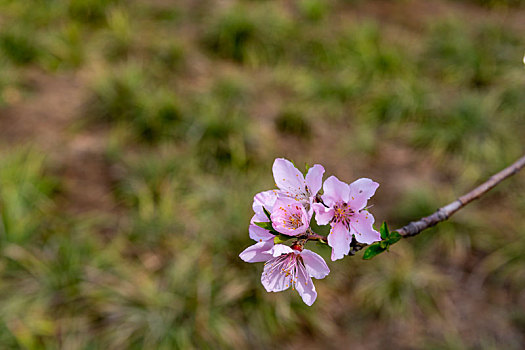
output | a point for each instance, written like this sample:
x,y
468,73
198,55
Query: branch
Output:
x,y
442,214
445,212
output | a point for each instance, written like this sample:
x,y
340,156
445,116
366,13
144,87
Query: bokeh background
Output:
x,y
134,134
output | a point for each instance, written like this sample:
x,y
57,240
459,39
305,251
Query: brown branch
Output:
x,y
442,214
316,237
312,236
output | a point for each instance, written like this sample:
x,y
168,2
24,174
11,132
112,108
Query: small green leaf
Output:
x,y
384,244
267,214
394,237
281,239
384,231
372,251
265,225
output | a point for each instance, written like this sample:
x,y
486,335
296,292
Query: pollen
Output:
x,y
343,213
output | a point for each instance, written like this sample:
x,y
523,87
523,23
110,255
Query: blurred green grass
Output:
x,y
195,101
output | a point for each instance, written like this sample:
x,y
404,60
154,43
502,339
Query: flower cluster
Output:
x,y
286,213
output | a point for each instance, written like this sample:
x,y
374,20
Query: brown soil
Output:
x,y
45,120
417,14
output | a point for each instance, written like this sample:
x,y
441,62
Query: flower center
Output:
x,y
343,213
293,221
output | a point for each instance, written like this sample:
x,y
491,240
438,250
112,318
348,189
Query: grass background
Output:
x,y
134,134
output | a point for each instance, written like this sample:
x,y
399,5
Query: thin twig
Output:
x,y
442,214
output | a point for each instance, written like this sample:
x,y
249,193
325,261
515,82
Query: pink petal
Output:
x,y
339,239
305,287
315,264
308,204
259,218
280,249
273,278
288,178
259,234
275,281
264,199
305,217
314,178
360,192
258,252
362,228
323,215
335,191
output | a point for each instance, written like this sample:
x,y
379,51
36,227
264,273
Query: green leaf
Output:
x,y
267,214
394,237
281,239
384,231
384,244
265,225
372,251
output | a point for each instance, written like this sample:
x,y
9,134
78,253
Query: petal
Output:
x,y
305,286
339,239
323,215
288,178
335,191
258,252
280,249
362,228
360,192
314,179
315,264
264,199
273,279
308,204
259,218
259,234
305,218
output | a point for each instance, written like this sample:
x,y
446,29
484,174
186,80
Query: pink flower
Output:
x,y
293,184
289,217
346,214
293,267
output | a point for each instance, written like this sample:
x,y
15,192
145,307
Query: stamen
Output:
x,y
343,213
